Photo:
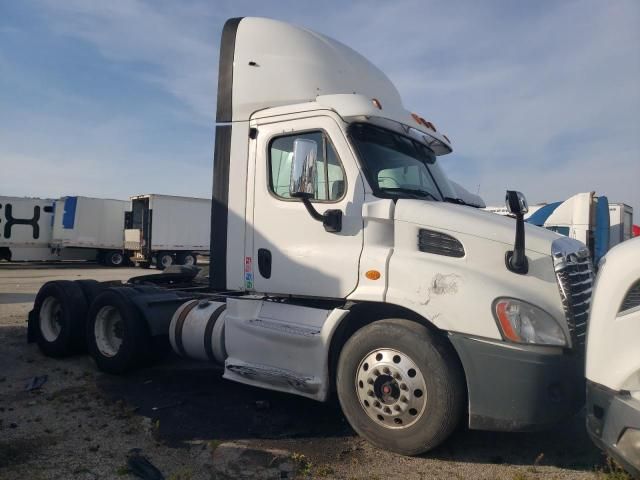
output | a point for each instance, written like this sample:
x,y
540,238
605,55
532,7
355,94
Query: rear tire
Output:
x,y
117,335
114,258
164,260
60,316
186,258
400,386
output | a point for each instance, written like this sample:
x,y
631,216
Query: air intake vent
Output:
x,y
632,299
439,244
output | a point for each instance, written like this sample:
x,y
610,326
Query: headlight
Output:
x,y
522,322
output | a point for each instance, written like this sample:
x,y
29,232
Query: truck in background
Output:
x,y
96,224
164,230
25,224
620,222
585,217
366,277
613,359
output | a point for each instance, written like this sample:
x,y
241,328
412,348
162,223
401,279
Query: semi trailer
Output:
x,y
25,223
344,264
612,358
91,223
166,230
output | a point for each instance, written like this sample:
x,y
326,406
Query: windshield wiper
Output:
x,y
411,191
459,201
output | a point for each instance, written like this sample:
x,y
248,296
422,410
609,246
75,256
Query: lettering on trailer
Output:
x,y
11,221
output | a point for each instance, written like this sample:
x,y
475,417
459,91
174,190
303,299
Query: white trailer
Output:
x,y
343,262
613,357
91,223
25,228
620,223
167,229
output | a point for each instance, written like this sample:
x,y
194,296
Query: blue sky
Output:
x,y
118,98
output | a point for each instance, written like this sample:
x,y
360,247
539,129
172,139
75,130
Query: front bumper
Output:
x,y
519,387
609,415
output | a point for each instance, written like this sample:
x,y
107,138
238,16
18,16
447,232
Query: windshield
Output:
x,y
398,166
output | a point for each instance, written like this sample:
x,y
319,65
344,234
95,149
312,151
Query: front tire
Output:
x,y
400,386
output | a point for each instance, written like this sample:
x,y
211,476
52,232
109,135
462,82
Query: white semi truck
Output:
x,y
342,261
613,357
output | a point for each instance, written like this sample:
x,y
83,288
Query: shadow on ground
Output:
x,y
192,402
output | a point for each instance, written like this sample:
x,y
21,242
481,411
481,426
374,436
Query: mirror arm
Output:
x,y
331,219
312,211
516,259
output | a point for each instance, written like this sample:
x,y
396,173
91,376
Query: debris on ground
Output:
x,y
233,460
36,382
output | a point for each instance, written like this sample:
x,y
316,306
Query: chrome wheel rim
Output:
x,y
109,331
391,388
51,319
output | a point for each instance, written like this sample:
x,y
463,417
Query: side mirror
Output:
x,y
516,202
304,172
304,175
516,259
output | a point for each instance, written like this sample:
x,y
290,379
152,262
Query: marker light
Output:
x,y
521,322
376,103
372,274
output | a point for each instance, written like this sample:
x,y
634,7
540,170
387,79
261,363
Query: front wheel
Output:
x,y
400,386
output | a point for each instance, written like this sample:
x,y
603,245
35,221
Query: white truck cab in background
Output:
x,y
613,356
343,260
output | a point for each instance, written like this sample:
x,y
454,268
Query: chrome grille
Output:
x,y
574,273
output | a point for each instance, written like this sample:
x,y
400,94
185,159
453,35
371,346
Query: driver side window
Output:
x,y
330,183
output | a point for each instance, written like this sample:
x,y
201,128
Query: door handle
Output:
x,y
264,262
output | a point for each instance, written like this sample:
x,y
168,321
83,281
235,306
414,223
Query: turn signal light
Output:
x,y
372,274
376,103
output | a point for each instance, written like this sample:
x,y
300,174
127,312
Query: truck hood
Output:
x,y
466,220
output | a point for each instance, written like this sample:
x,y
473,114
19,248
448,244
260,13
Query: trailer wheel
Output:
x,y
164,260
114,258
186,258
60,311
400,386
117,336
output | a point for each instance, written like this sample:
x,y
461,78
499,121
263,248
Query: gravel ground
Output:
x,y
82,423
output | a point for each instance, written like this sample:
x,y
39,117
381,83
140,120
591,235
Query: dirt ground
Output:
x,y
82,423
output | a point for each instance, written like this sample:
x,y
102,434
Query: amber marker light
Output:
x,y
507,329
372,274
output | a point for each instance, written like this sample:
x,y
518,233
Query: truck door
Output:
x,y
292,253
